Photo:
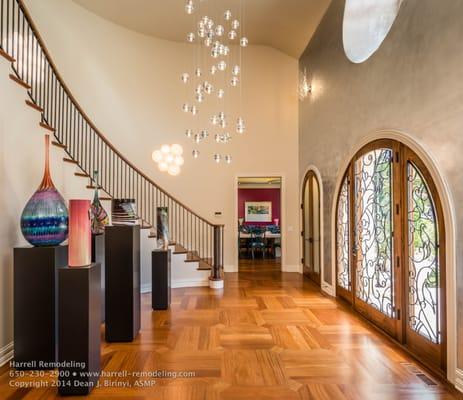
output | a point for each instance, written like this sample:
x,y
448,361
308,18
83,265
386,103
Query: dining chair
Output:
x,y
258,241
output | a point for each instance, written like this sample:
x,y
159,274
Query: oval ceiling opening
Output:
x,y
365,26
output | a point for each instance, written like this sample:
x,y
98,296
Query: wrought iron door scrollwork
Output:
x,y
423,279
373,229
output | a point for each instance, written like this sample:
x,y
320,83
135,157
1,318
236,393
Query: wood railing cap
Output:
x,y
90,123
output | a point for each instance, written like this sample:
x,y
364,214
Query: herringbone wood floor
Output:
x,y
269,335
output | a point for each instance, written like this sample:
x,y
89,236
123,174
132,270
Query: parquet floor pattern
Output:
x,y
268,335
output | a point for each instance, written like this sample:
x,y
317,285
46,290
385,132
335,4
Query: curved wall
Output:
x,y
411,84
129,84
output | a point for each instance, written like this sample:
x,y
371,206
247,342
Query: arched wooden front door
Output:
x,y
390,248
311,227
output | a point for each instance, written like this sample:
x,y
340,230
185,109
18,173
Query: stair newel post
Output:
x,y
216,279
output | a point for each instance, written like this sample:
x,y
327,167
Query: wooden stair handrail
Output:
x,y
88,120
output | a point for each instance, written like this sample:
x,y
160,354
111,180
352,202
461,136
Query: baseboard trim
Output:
x,y
328,289
459,379
230,268
292,268
6,353
146,288
179,283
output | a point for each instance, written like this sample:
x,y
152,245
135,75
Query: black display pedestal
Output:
x,y
98,256
35,305
122,248
160,279
79,329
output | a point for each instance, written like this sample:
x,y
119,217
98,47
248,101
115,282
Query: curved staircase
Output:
x,y
195,241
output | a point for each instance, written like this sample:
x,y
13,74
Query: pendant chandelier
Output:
x,y
216,70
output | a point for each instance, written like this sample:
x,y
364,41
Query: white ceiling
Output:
x,y
286,25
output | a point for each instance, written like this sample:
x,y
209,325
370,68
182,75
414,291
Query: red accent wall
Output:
x,y
272,195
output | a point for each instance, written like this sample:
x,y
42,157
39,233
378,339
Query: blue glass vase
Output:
x,y
44,220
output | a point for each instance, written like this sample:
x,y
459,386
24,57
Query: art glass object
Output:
x,y
162,223
44,220
98,215
80,237
124,212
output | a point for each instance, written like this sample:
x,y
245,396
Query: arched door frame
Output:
x,y
449,221
326,287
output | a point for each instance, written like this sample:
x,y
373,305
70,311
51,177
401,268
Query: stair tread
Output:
x,y
69,160
19,81
180,250
46,126
6,56
57,144
34,106
81,174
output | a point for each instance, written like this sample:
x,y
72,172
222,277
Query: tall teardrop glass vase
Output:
x,y
44,220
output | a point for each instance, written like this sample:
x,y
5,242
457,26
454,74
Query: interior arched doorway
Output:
x,y
390,247
312,227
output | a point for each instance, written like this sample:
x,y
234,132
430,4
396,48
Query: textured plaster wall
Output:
x,y
413,84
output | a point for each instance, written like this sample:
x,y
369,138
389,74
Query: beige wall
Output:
x,y
412,84
130,86
21,170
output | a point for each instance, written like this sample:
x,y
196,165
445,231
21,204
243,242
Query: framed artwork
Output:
x,y
258,211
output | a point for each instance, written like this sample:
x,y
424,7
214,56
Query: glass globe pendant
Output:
x,y
244,42
193,110
219,30
185,77
217,158
234,81
208,88
163,166
186,107
189,7
173,170
227,15
220,93
214,120
179,160
202,32
236,70
157,156
198,72
232,35
235,24
222,65
240,127
195,153
228,159
190,37
189,133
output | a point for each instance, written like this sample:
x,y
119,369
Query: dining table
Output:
x,y
268,237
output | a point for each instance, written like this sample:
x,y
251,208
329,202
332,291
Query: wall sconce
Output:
x,y
305,87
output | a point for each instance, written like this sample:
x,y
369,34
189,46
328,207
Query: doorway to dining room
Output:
x,y
259,220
